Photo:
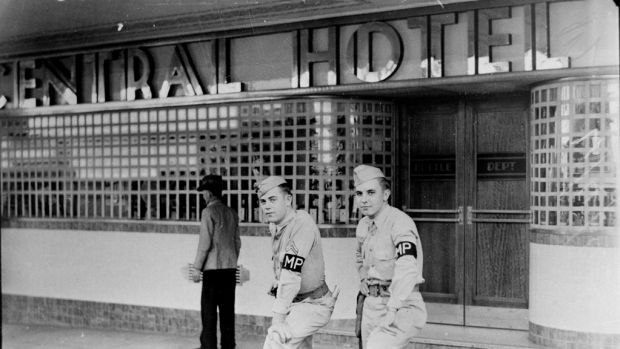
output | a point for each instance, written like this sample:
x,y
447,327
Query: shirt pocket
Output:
x,y
384,261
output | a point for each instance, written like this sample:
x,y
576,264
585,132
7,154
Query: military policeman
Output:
x,y
389,259
303,302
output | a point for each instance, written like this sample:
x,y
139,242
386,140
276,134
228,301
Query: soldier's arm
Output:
x,y
406,272
297,250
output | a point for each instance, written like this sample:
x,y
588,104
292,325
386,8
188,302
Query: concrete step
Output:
x,y
437,336
433,336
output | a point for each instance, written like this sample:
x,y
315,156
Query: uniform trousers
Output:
x,y
407,324
218,293
304,319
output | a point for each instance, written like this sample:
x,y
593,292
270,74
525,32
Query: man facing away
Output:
x,y
216,257
389,259
303,302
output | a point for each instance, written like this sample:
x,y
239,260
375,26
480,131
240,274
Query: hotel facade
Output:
x,y
497,123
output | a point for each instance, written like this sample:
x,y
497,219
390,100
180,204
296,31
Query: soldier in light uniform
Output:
x,y
389,259
303,302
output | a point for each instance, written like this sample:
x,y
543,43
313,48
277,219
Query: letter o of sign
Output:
x,y
361,41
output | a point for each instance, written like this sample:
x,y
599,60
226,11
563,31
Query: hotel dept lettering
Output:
x,y
127,74
433,167
501,165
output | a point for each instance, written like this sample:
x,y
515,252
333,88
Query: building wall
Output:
x,y
144,269
586,287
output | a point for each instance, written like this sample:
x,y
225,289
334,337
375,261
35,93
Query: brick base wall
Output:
x,y
558,338
19,309
75,313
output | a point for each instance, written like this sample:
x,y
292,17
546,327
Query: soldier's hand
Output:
x,y
364,287
278,319
388,318
279,333
195,274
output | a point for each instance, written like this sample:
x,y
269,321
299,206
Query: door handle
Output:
x,y
471,219
458,214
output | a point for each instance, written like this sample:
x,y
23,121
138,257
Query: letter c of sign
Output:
x,y
3,99
361,41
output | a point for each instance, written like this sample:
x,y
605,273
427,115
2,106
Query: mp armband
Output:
x,y
292,262
406,248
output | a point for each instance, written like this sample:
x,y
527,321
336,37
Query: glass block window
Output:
x,y
575,154
145,164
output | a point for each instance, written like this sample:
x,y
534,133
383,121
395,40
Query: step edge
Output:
x,y
449,342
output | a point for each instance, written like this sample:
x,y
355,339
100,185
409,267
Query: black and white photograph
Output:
x,y
298,174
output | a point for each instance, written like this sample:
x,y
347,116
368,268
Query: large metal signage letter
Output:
x,y
482,40
137,59
105,68
180,73
27,83
537,53
89,71
302,66
432,46
224,76
361,65
8,69
426,59
63,82
437,40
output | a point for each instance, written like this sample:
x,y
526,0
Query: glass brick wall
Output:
x,y
575,153
145,164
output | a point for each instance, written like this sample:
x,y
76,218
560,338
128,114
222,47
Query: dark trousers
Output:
x,y
218,292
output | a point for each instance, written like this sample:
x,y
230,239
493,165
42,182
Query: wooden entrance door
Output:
x,y
463,171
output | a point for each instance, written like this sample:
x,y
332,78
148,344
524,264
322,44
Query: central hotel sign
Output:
x,y
418,47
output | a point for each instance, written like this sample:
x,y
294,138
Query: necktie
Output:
x,y
372,228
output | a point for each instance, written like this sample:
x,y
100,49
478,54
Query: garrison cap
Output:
x,y
210,182
269,183
364,173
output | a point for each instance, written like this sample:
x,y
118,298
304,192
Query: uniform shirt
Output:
x,y
376,254
299,236
219,242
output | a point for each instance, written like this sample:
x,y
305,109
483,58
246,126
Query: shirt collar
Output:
x,y
213,201
381,217
276,230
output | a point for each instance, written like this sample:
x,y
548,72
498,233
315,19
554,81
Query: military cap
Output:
x,y
211,183
269,183
364,173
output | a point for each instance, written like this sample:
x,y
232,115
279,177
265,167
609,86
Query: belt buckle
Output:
x,y
373,290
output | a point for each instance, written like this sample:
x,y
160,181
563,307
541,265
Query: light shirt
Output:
x,y
376,253
297,235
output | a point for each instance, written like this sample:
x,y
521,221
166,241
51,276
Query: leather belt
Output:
x,y
314,294
378,290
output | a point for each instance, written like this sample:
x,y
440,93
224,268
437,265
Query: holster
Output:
x,y
358,315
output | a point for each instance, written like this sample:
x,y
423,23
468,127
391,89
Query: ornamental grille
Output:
x,y
575,154
145,164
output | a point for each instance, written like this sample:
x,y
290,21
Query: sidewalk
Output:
x,y
48,337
